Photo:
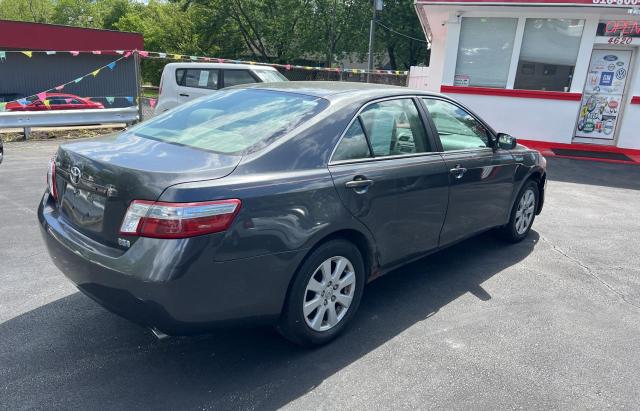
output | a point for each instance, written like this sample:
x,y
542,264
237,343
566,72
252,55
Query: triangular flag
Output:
x,y
46,103
96,52
78,80
152,102
143,53
193,57
22,101
220,60
27,53
50,53
60,87
2,105
3,55
68,100
127,54
176,56
130,99
111,65
121,52
288,66
42,96
95,72
110,100
162,55
74,53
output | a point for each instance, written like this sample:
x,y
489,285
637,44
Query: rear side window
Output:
x,y
353,144
232,121
197,78
235,77
389,128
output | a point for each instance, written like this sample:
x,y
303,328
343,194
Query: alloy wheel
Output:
x,y
329,293
525,211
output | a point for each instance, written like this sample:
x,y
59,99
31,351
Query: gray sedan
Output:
x,y
276,203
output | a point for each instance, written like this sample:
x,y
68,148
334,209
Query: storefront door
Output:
x,y
603,97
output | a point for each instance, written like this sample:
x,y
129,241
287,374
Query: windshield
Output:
x,y
233,120
270,76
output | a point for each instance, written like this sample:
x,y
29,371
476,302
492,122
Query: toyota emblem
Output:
x,y
75,175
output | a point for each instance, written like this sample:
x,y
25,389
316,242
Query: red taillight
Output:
x,y
178,220
51,178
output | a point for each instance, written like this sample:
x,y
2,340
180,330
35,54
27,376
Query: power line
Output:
x,y
400,34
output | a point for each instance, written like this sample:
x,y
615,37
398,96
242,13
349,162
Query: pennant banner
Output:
x,y
163,55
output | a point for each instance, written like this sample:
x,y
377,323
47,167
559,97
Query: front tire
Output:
x,y
522,214
324,295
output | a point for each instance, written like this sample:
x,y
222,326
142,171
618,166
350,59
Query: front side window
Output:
x,y
548,54
236,77
394,127
484,51
197,78
232,121
458,130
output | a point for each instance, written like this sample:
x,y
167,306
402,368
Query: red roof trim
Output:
x,y
486,91
35,36
635,100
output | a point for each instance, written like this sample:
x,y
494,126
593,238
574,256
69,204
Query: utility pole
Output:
x,y
377,6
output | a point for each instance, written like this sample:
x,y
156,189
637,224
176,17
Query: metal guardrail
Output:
x,y
56,118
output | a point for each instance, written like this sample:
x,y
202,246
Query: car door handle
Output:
x,y
184,95
458,171
358,184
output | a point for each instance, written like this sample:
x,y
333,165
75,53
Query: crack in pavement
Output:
x,y
589,271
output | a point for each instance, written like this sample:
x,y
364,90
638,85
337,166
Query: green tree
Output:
x,y
38,11
402,39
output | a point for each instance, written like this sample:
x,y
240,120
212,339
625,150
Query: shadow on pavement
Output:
x,y
73,353
594,173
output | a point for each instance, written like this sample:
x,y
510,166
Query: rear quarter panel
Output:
x,y
289,201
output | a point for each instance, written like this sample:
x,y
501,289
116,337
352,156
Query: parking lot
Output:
x,y
549,323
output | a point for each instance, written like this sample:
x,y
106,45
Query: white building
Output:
x,y
561,71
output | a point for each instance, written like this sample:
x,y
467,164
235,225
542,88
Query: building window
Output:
x,y
484,51
548,54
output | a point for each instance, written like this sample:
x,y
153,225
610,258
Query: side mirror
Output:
x,y
506,142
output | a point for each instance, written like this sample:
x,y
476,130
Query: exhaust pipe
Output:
x,y
159,334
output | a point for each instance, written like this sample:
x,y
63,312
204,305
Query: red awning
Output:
x,y
36,36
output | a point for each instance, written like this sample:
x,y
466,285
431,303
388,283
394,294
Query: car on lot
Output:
x,y
182,82
54,101
276,203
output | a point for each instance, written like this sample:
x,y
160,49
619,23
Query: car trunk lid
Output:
x,y
97,179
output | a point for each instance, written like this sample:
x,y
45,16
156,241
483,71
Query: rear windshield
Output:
x,y
270,76
232,121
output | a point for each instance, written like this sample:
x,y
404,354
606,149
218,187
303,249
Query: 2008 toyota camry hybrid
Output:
x,y
276,203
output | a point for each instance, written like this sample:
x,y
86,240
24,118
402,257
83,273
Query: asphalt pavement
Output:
x,y
549,323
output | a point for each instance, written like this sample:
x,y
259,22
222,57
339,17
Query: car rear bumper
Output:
x,y
187,295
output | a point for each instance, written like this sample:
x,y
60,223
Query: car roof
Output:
x,y
338,89
197,64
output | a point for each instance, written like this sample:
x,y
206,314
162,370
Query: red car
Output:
x,y
57,101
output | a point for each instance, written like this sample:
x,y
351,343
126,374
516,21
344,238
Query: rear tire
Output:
x,y
523,214
325,294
